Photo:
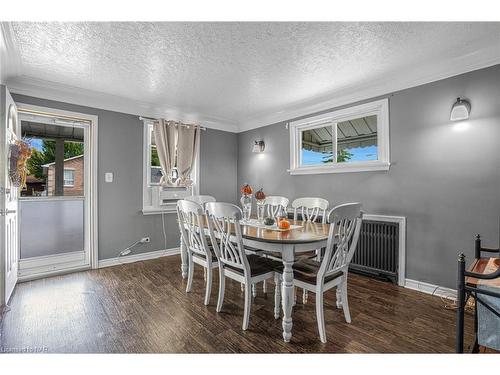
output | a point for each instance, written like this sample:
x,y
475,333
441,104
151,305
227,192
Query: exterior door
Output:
x,y
10,129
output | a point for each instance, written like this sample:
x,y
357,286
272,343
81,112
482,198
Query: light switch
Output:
x,y
108,176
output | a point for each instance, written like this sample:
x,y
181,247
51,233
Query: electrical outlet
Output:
x,y
145,240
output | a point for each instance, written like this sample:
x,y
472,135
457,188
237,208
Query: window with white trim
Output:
x,y
156,198
353,139
69,177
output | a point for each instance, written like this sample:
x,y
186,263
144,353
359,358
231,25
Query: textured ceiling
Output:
x,y
239,71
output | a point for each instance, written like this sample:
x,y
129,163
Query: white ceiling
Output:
x,y
238,75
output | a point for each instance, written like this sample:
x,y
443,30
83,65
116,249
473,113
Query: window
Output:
x,y
69,177
353,139
155,173
156,198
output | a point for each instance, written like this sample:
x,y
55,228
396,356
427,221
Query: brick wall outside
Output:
x,y
75,164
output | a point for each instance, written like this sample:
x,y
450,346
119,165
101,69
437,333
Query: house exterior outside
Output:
x,y
73,176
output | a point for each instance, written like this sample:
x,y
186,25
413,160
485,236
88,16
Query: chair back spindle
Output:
x,y
225,234
310,209
191,218
275,205
345,226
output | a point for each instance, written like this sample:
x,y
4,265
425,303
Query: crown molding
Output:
x,y
381,87
29,86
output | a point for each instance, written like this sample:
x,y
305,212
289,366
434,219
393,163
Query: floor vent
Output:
x,y
377,253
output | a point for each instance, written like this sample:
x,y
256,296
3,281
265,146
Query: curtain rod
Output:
x,y
155,119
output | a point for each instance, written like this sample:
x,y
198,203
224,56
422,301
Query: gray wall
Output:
x,y
446,182
120,203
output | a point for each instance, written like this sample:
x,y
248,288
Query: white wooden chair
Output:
x,y
191,218
310,209
225,233
200,199
275,205
332,271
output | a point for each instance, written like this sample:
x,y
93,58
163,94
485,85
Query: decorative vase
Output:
x,y
246,205
260,210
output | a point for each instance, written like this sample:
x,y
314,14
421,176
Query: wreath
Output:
x,y
19,153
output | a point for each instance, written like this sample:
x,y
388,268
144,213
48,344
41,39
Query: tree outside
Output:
x,y
47,155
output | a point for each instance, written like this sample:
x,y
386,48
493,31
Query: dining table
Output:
x,y
304,236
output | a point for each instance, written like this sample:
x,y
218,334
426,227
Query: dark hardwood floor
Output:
x,y
143,308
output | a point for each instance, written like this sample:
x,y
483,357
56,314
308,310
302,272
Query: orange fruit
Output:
x,y
284,224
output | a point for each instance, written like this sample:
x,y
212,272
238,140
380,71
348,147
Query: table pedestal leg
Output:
x,y
184,259
287,291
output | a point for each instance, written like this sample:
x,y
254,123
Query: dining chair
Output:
x,y
234,262
332,271
275,205
310,209
200,199
191,217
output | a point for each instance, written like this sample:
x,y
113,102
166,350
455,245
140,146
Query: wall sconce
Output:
x,y
258,146
460,110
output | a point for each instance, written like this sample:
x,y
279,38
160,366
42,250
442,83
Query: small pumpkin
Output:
x,y
246,189
259,195
284,224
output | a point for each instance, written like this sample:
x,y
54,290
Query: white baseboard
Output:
x,y
427,288
138,257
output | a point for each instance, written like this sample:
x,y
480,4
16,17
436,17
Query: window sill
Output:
x,y
156,211
342,168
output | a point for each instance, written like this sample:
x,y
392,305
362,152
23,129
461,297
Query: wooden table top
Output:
x,y
484,266
307,233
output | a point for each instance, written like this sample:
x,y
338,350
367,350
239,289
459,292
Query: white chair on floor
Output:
x,y
275,205
191,217
332,271
225,233
310,209
200,199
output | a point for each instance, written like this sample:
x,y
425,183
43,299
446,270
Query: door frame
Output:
x,y
91,188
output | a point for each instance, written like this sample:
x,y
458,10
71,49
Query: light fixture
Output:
x,y
460,110
258,146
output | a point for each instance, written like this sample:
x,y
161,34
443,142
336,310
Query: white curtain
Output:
x,y
177,145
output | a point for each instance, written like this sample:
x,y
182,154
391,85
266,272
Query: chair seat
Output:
x,y
202,257
306,270
258,266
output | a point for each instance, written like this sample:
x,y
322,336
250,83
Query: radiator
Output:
x,y
377,250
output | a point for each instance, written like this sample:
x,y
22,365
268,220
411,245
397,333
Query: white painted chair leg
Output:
x,y
320,316
338,296
248,302
254,290
190,273
345,302
277,296
264,286
222,286
294,296
209,285
304,296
